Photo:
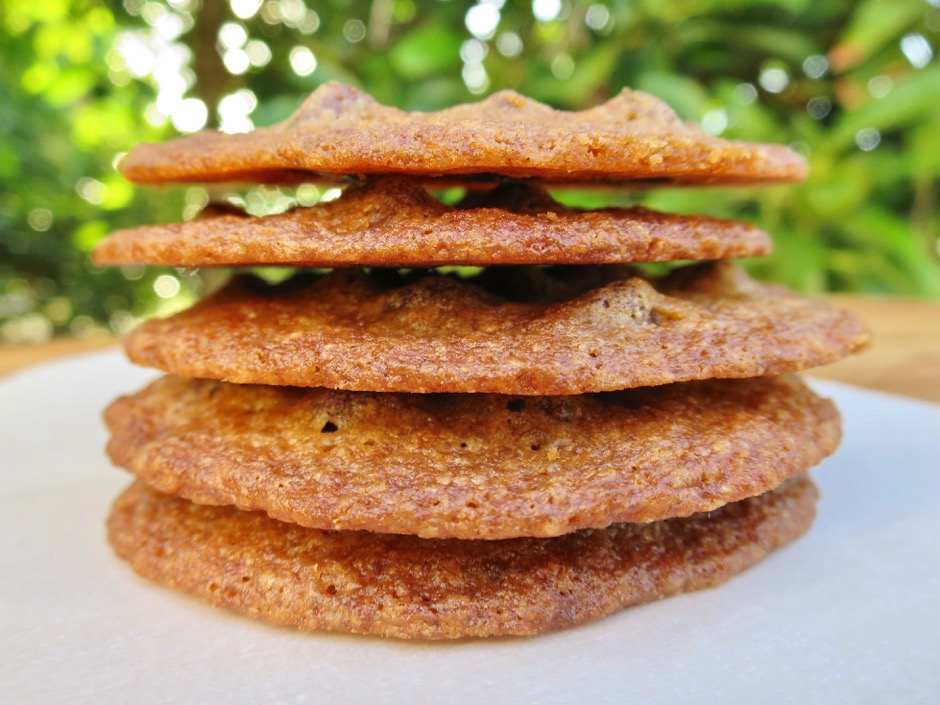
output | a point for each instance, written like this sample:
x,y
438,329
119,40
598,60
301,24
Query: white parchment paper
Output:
x,y
850,613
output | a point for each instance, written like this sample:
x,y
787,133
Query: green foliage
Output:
x,y
851,85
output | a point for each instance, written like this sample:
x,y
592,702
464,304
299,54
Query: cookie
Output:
x,y
340,130
394,222
470,466
413,588
525,331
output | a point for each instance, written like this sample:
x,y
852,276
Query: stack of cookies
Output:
x,y
394,449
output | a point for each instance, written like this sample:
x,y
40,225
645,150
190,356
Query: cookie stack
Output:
x,y
390,449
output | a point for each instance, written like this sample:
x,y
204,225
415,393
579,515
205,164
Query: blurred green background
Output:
x,y
854,86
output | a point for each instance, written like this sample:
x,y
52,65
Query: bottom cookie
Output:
x,y
412,588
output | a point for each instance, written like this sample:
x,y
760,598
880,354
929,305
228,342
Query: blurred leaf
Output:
x,y
685,95
277,109
119,192
9,162
783,43
69,86
863,221
37,11
39,76
426,51
718,6
836,191
883,232
590,76
910,101
798,261
922,149
434,94
874,24
89,234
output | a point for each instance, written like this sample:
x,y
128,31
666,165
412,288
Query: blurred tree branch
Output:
x,y
851,85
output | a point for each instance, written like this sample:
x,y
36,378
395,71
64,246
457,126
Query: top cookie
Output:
x,y
340,130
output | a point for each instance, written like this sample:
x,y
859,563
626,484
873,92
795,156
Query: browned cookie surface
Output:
x,y
341,130
395,222
471,466
510,331
408,587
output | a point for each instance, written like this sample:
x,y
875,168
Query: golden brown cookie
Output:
x,y
587,330
412,588
341,130
471,466
394,222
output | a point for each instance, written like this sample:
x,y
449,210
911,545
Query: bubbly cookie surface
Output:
x,y
394,222
340,130
413,588
520,330
471,466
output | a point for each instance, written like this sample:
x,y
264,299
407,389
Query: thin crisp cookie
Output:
x,y
340,130
394,222
470,466
508,331
412,588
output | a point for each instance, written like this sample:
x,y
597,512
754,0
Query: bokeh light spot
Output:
x,y
482,20
509,44
236,61
293,12
133,272
190,115
815,66
121,322
475,78
232,35
867,138
715,121
40,219
745,93
331,194
917,50
30,328
880,86
819,107
308,195
196,198
245,9
302,61
271,12
259,53
597,17
82,326
166,286
774,79
546,10
234,110
473,51
135,53
562,67
310,23
354,31
91,190
169,26
59,310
